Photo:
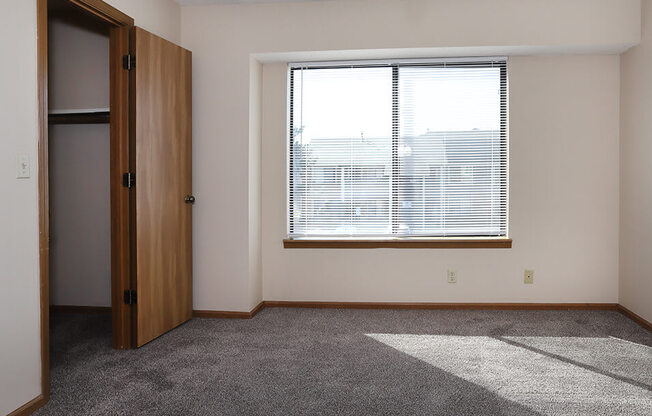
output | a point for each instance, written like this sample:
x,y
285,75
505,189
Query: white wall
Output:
x,y
255,182
19,280
78,62
20,361
224,39
80,217
161,17
563,164
636,174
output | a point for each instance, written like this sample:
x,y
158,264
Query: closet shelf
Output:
x,y
80,116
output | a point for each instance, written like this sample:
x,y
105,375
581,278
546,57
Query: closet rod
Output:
x,y
98,117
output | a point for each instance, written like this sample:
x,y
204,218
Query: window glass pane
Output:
x,y
450,150
341,151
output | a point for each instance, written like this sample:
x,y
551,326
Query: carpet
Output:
x,y
359,362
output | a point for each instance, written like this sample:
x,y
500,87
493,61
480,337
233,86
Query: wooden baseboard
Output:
x,y
634,317
257,309
435,306
30,407
405,306
221,314
228,314
79,309
381,305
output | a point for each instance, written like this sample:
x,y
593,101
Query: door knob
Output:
x,y
190,199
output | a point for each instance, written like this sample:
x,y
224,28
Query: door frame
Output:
x,y
117,19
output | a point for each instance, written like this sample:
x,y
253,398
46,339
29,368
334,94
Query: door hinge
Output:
x,y
128,180
129,62
130,297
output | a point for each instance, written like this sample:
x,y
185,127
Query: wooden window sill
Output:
x,y
401,243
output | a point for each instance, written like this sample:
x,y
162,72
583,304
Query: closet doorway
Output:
x,y
115,173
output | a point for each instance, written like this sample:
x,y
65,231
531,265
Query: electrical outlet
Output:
x,y
528,277
452,276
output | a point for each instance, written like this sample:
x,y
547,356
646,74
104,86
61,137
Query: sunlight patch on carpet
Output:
x,y
550,375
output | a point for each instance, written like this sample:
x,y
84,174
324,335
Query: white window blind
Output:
x,y
398,149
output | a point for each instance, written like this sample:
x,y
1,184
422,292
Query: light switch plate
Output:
x,y
22,166
528,277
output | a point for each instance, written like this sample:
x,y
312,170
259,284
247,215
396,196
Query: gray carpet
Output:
x,y
359,362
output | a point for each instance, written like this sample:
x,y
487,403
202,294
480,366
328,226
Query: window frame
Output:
x,y
503,241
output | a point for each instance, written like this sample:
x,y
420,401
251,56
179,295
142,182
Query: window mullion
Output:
x,y
395,157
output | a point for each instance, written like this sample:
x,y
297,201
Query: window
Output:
x,y
398,149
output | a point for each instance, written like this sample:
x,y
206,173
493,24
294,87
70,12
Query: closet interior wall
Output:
x,y
79,157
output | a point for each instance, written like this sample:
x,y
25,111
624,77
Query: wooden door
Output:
x,y
163,169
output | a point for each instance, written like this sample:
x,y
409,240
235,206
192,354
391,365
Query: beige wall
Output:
x,y
19,281
225,38
636,174
563,164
